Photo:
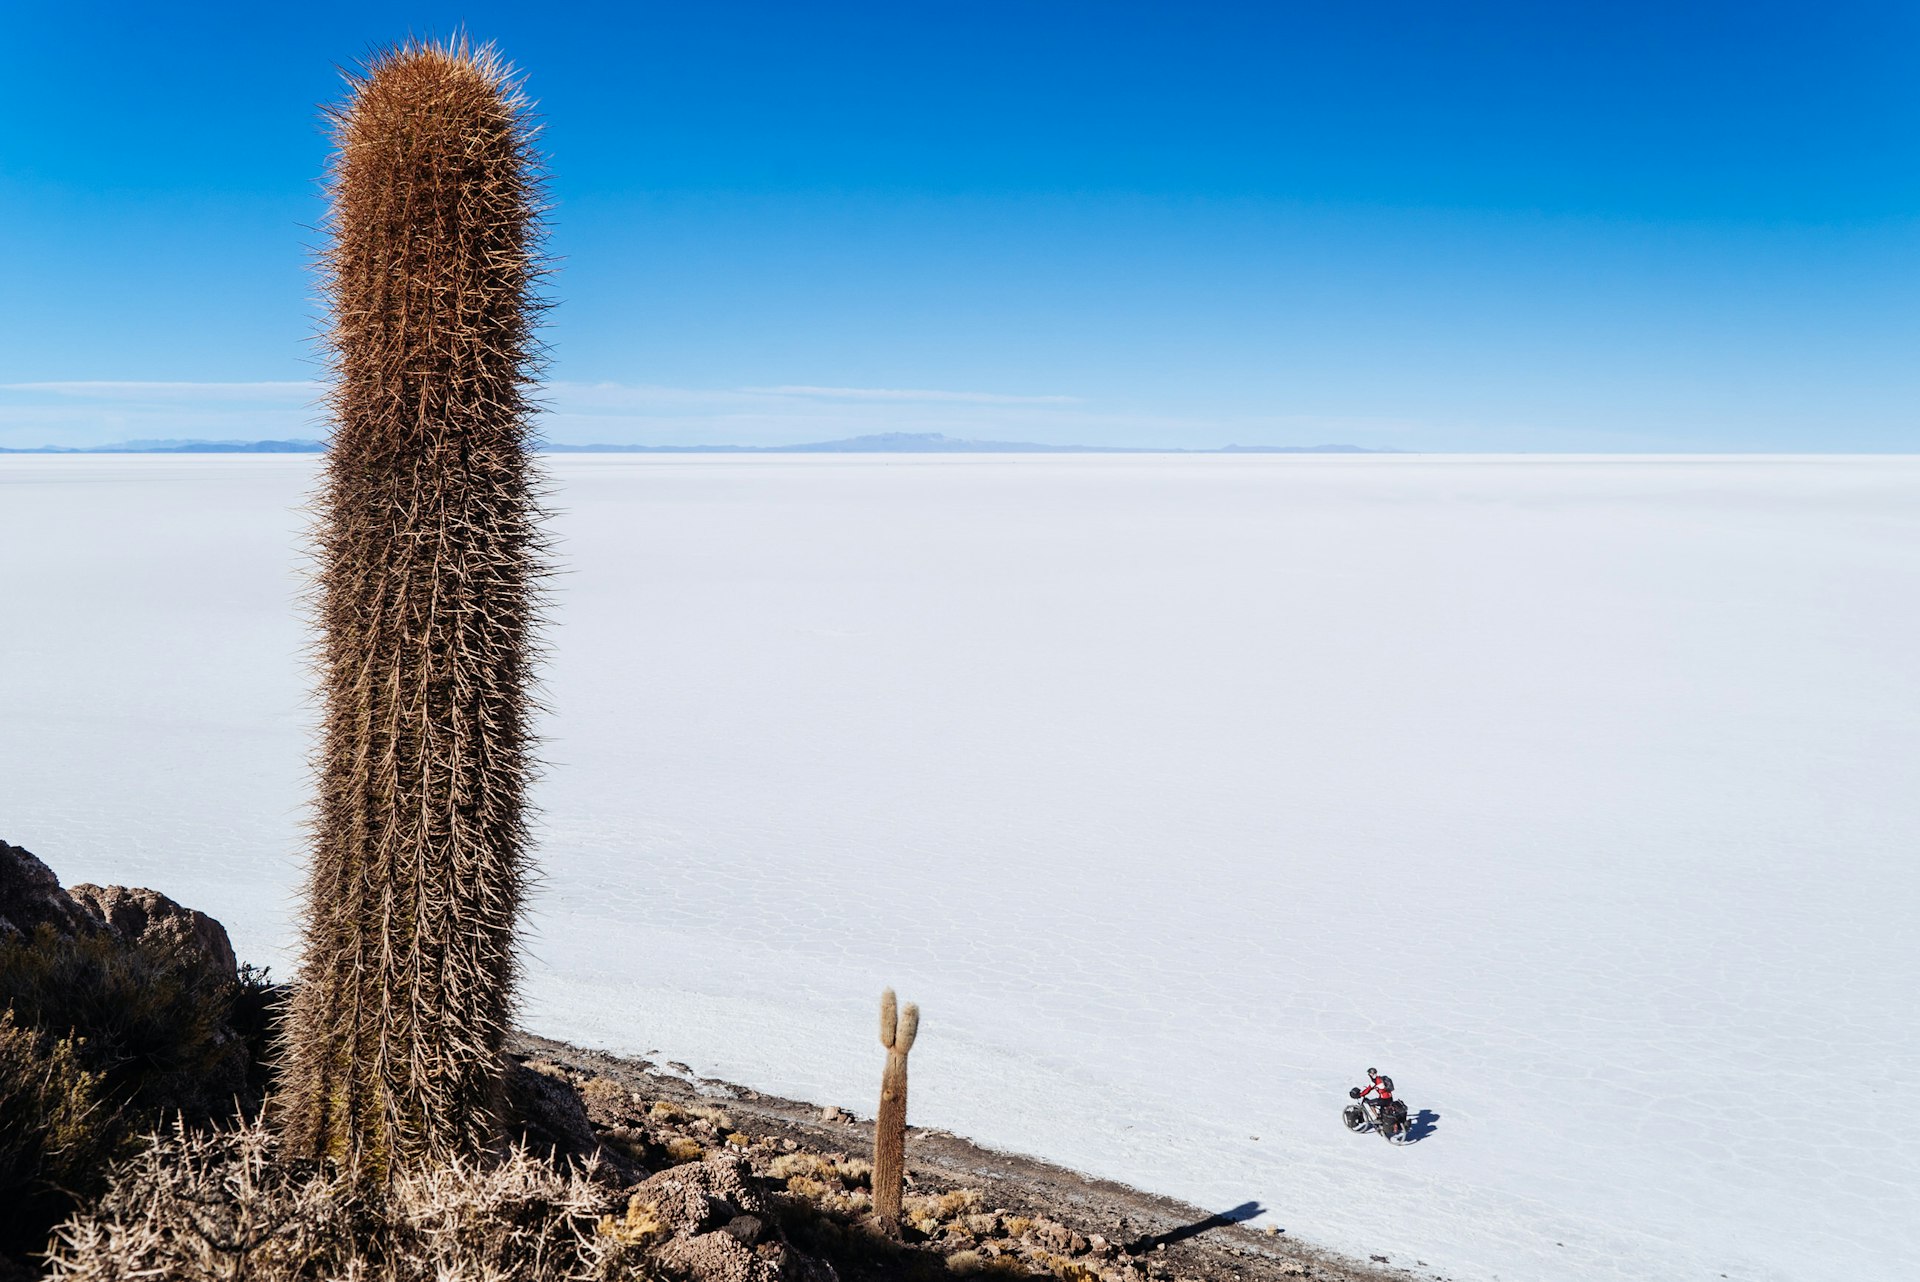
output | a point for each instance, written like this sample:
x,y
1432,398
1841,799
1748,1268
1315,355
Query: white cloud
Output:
x,y
123,390
99,412
911,394
582,413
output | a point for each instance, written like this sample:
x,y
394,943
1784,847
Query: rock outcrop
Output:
x,y
710,1222
135,913
31,897
544,1112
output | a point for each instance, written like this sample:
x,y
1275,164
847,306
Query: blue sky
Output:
x,y
1420,226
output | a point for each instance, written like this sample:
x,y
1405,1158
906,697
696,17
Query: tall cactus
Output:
x,y
890,1127
430,564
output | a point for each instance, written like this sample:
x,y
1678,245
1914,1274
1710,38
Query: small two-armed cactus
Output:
x,y
890,1127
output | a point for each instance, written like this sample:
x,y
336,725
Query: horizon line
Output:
x,y
929,443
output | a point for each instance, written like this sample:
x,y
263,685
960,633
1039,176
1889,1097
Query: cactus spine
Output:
x,y
430,563
890,1127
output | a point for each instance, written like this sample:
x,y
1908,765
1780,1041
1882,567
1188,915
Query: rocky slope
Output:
x,y
715,1182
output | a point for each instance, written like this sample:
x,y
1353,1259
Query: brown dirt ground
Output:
x,y
1160,1238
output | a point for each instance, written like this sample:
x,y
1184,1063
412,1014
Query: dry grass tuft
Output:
x,y
603,1095
836,1185
998,1265
226,1206
681,1149
814,1190
789,1165
640,1226
1066,1268
939,1212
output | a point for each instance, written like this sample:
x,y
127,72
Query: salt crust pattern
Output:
x,y
1575,793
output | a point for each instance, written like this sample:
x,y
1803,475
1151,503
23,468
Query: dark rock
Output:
x,y
720,1226
30,897
544,1112
135,913
713,1257
701,1196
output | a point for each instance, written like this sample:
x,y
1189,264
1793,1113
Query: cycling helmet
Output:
x,y
1373,1072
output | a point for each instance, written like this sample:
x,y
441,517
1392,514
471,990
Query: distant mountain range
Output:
x,y
179,447
883,443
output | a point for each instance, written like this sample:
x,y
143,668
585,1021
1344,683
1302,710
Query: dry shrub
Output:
x,y
55,1139
975,1262
837,1172
849,1205
154,1022
105,1038
642,1225
808,1187
1065,1267
931,1213
680,1149
226,1206
789,1165
834,1184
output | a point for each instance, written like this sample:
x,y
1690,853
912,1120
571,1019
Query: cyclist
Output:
x,y
1382,1087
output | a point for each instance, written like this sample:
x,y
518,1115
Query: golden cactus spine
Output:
x,y
430,564
897,1032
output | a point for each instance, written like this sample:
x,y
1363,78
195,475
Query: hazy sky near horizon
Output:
x,y
1451,227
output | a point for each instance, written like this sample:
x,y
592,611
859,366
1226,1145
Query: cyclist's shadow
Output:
x,y
1424,1123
